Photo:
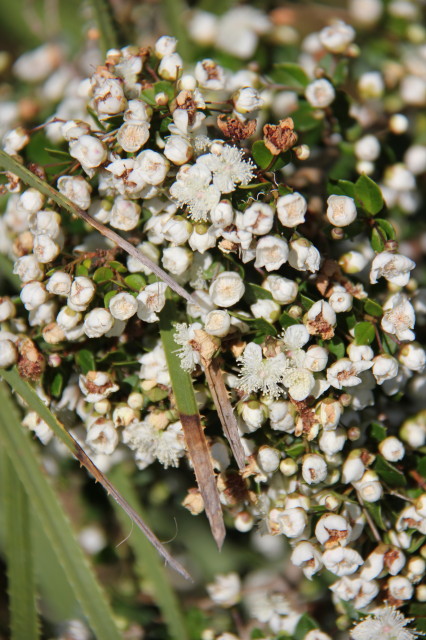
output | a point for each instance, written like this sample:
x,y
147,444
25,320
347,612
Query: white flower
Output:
x,y
369,486
304,256
298,380
392,449
89,151
260,374
170,66
227,289
33,294
225,590
314,469
357,352
193,188
392,266
371,84
8,353
228,167
253,415
367,148
102,436
178,150
345,373
333,530
98,322
28,268
332,441
222,215
271,253
68,318
342,561
361,592
387,623
316,358
81,293
258,218
291,209
399,317
150,443
268,459
283,290
353,467
76,189
291,522
385,367
183,336
151,301
209,74
320,93
415,159
176,260
7,308
123,306
31,200
15,140
269,310
337,37
413,356
306,556
247,100
97,385
165,46
341,210
59,283
108,94
154,366
45,223
281,415
45,249
217,323
131,136
151,166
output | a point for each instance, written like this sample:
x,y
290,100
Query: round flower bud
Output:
x,y
45,223
7,309
269,310
53,334
131,136
31,200
226,590
247,100
44,314
400,588
283,290
76,189
45,249
394,267
413,356
135,400
306,556
340,300
244,522
288,467
178,150
217,323
152,167
170,66
337,37
342,561
209,75
290,522
341,210
398,123
366,12
291,209
324,310
329,412
102,436
222,215
102,406
369,487
268,459
258,218
303,256
367,148
81,293
253,413
320,93
177,260
314,469
392,449
331,442
333,530
371,85
8,353
123,306
385,367
68,318
177,230
96,385
15,140
28,268
165,46
123,415
271,253
97,322
109,97
227,289
353,467
124,214
415,159
352,262
316,358
33,295
88,150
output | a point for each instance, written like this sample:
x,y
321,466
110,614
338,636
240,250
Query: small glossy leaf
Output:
x,y
263,329
375,511
373,308
336,346
286,320
305,118
81,270
295,450
386,227
290,74
389,473
117,266
378,431
369,195
254,293
108,296
57,384
85,361
103,274
261,155
305,624
341,188
135,281
306,302
364,333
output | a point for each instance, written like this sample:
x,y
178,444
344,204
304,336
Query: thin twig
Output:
x,y
369,519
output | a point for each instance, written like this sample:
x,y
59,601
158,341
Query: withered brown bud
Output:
x,y
31,363
234,128
279,137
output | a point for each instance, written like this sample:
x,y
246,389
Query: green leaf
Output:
x,y
6,270
57,384
306,302
378,431
364,333
336,346
261,155
305,118
159,87
286,320
389,346
369,195
85,361
107,297
253,293
135,281
117,266
341,188
148,564
290,74
81,270
373,308
389,473
386,227
416,543
42,497
104,19
263,330
296,449
375,511
103,274
305,624
421,466
19,553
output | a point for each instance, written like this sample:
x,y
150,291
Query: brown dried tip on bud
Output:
x,y
337,233
23,244
37,170
31,363
193,502
205,344
391,245
279,137
235,129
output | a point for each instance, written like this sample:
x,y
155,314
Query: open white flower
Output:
x,y
193,188
271,253
149,443
291,209
345,373
342,561
387,623
151,300
393,267
227,289
307,556
228,167
261,374
399,317
225,590
183,336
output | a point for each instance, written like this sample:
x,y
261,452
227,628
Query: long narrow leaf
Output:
x,y
25,390
148,565
104,19
30,179
190,418
19,556
54,521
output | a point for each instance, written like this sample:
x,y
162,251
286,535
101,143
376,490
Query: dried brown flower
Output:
x,y
279,137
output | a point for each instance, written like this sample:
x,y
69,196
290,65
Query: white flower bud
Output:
x,y
290,522
398,177
253,414
316,358
225,590
367,148
15,140
177,230
41,429
392,449
7,309
358,352
244,522
131,136
247,100
109,96
28,268
123,306
352,262
392,266
341,210
209,74
258,218
44,314
291,209
331,442
337,37
31,200
288,467
323,309
400,588
170,66
68,318
342,561
97,385
222,215
415,159
413,356
281,414
81,293
59,283
165,46
398,123
385,367
33,295
137,111
8,353
227,289
303,256
271,253
369,487
269,310
217,323
203,27
306,556
416,569
333,530
329,412
97,322
268,459
366,12
178,150
124,214
202,239
102,436
151,301
340,300
345,373
414,433
320,93
76,189
89,151
353,468
123,415
371,85
283,290
314,468
177,260
152,167
45,249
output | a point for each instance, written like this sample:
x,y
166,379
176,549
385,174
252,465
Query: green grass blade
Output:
x,y
6,270
186,404
103,15
148,565
19,556
55,522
